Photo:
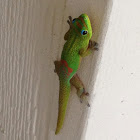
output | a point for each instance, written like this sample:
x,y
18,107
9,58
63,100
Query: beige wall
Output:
x,y
31,38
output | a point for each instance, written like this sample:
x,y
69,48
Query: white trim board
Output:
x,y
115,114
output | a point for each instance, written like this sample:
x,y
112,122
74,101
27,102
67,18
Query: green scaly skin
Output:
x,y
78,45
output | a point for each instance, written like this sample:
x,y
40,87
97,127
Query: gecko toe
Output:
x,y
95,43
68,22
70,18
96,49
87,94
81,101
88,105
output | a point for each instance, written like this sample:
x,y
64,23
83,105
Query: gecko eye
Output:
x,y
73,20
83,32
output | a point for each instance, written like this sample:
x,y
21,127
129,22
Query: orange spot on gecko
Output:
x,y
65,64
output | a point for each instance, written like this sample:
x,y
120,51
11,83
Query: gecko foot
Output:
x,y
93,45
83,98
87,94
81,101
57,66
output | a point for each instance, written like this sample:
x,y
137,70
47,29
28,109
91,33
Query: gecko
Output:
x,y
78,45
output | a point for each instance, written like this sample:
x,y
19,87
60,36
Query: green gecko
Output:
x,y
77,46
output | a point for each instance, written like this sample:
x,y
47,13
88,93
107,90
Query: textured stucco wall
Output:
x,y
31,38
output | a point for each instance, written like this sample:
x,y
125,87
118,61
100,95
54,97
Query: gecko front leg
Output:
x,y
66,36
91,47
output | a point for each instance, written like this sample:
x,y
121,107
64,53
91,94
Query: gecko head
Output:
x,y
82,26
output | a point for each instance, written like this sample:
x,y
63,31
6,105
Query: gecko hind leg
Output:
x,y
57,67
77,83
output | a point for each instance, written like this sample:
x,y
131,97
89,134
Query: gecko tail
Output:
x,y
64,93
